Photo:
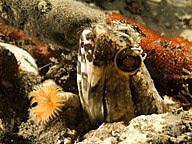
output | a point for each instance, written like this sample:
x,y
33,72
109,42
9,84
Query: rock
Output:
x,y
25,60
18,74
179,3
172,127
187,34
157,1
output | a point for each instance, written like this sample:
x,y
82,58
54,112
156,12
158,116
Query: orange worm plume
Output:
x,y
46,102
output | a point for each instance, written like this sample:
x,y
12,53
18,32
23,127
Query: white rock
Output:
x,y
180,3
24,59
187,34
157,1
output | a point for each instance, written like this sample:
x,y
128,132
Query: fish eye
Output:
x,y
127,62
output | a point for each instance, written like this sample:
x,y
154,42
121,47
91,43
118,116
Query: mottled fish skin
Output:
x,y
104,88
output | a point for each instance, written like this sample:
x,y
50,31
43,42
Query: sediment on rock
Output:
x,y
60,21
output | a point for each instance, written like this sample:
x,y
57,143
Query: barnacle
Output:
x,y
46,102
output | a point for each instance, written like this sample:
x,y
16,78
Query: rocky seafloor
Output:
x,y
168,17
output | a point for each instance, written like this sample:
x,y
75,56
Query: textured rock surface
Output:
x,y
172,127
60,21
